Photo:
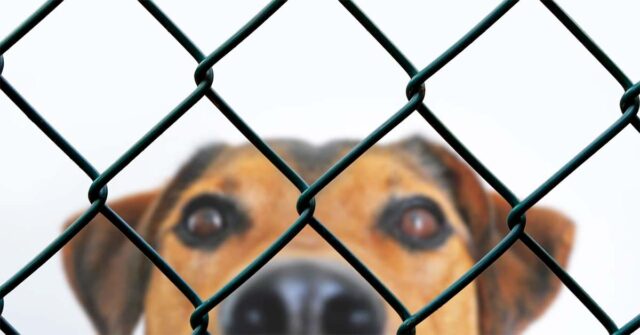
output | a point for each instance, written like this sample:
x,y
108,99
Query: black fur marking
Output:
x,y
431,164
311,161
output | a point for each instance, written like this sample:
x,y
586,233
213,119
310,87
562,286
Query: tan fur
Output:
x,y
349,207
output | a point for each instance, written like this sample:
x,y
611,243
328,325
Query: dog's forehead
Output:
x,y
310,161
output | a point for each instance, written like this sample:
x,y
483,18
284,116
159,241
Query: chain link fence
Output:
x,y
415,91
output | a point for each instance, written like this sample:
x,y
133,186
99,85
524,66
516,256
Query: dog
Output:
x,y
412,211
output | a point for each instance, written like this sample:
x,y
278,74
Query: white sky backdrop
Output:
x,y
525,98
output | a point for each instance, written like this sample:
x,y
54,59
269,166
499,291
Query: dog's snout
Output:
x,y
303,298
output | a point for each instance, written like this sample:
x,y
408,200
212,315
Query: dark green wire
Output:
x,y
305,205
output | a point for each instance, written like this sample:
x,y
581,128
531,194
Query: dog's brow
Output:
x,y
426,163
311,160
228,185
187,175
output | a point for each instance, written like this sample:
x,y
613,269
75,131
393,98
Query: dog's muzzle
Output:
x,y
303,297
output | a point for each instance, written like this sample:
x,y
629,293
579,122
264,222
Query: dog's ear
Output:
x,y
107,273
519,287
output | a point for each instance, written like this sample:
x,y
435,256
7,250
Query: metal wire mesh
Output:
x,y
204,78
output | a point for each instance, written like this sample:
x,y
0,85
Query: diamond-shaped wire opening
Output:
x,y
413,89
593,229
523,120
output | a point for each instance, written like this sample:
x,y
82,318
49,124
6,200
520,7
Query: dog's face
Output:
x,y
415,215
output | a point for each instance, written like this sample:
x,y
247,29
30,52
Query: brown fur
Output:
x,y
513,292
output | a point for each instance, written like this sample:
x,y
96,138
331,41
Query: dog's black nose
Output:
x,y
303,298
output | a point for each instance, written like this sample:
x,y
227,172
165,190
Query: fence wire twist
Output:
x,y
204,78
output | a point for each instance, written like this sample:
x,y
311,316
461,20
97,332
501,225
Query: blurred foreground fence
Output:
x,y
204,78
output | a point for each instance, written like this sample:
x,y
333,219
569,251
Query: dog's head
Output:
x,y
415,214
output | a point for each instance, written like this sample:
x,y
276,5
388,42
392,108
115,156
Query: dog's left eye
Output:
x,y
205,222
416,222
208,220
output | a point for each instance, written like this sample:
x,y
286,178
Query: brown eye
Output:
x,y
417,223
209,219
205,222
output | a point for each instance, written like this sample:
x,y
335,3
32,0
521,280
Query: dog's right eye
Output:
x,y
416,222
208,220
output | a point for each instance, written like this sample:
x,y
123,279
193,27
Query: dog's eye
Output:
x,y
205,222
208,220
417,223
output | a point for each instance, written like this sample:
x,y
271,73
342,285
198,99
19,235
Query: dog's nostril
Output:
x,y
261,312
303,297
349,314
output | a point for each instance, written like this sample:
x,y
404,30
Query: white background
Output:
x,y
525,98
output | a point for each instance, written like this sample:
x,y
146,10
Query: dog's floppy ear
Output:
x,y
107,273
519,286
